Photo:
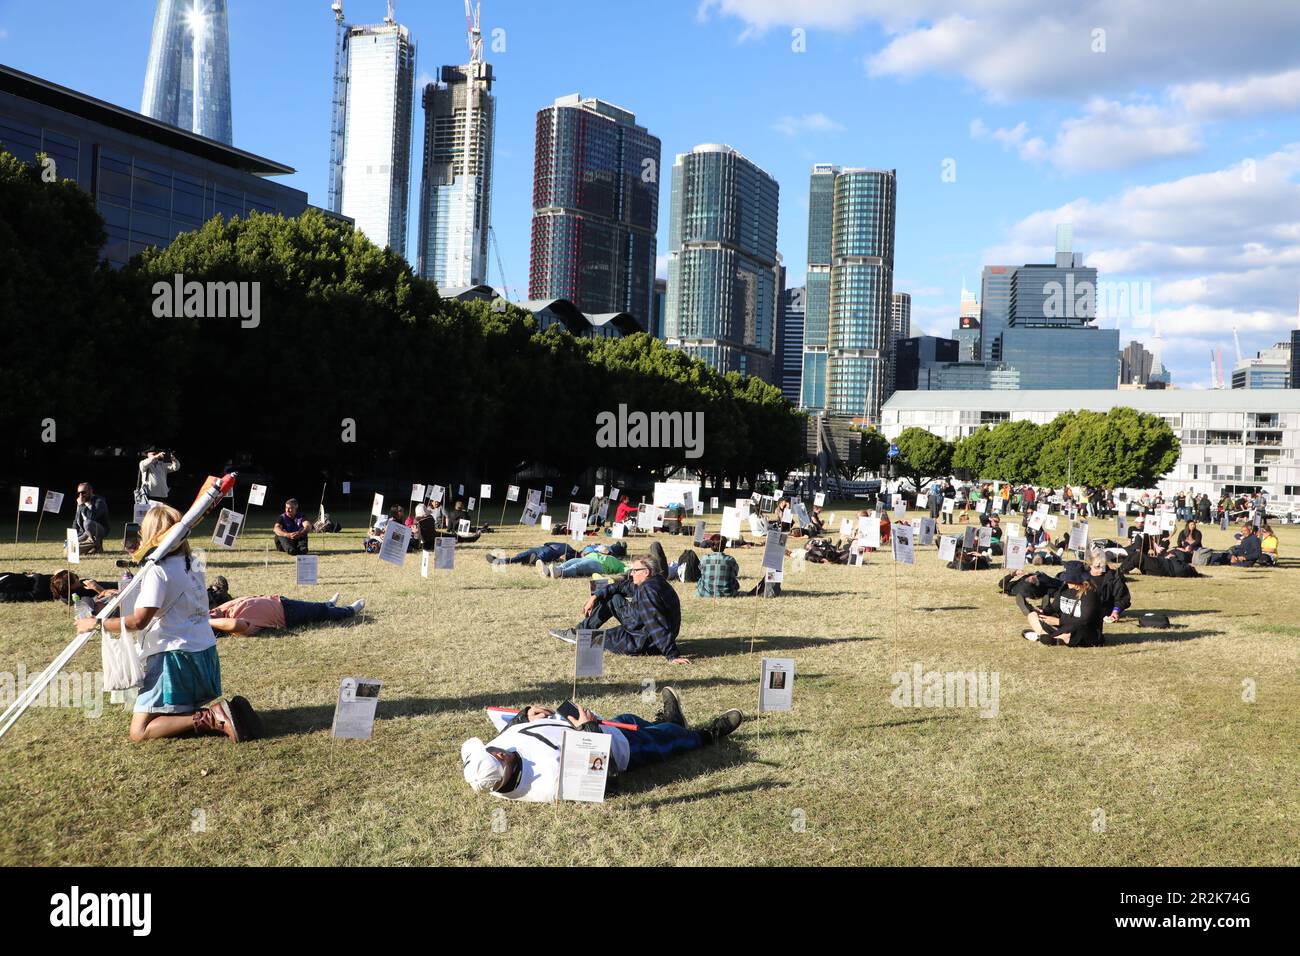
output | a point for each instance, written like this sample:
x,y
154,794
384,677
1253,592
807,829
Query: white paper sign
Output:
x,y
229,524
699,508
546,522
377,505
947,548
584,766
472,503
949,504
617,530
444,554
1035,521
776,687
53,501
997,506
819,499
306,566
900,508
590,659
437,493
424,560
757,525
1168,521
257,494
774,550
731,524
904,552
797,560
985,537
354,715
1121,526
577,520
600,491
463,526
982,505
140,510
417,492
1050,522
27,496
928,531
485,492
613,493
1015,553
460,489
397,538
846,528
1079,535
548,491
532,512
512,493
713,503
968,540
74,547
535,497
1012,530
869,531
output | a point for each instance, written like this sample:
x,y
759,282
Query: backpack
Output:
x,y
1154,619
688,566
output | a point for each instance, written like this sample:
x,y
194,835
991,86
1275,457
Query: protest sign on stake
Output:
x,y
1079,536
444,553
731,524
776,686
928,530
397,538
584,766
904,552
354,714
306,567
589,659
74,546
26,502
424,560
1015,553
947,548
229,524
376,506
546,522
819,499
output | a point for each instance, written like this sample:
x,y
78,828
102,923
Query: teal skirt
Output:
x,y
179,682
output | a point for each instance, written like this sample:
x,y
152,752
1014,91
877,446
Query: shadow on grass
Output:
x,y
699,763
912,720
724,791
1156,636
740,644
294,721
954,607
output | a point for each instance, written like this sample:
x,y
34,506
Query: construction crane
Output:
x,y
1236,340
496,250
339,110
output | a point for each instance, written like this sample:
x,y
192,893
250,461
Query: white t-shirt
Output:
x,y
538,745
182,624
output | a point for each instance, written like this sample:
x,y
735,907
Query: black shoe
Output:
x,y
247,723
721,726
671,710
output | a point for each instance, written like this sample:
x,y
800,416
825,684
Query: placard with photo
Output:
x,y
776,684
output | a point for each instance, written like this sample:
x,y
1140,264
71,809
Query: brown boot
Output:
x,y
216,719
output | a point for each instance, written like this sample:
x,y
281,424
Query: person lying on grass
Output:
x,y
269,612
523,761
181,671
649,614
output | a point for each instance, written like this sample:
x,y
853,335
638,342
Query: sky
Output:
x,y
1167,133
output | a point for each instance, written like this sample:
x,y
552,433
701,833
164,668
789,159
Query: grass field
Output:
x,y
1141,752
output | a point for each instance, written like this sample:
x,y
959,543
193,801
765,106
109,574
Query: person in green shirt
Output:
x,y
596,560
719,572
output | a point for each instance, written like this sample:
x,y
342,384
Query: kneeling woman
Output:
x,y
181,671
1072,615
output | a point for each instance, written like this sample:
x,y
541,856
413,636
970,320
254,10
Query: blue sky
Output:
x,y
1170,139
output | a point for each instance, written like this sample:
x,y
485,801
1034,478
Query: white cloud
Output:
x,y
1259,94
1113,135
807,123
661,266
1030,148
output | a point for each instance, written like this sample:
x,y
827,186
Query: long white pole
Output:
x,y
215,492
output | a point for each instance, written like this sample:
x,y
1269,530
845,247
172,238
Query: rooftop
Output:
x,y
1101,400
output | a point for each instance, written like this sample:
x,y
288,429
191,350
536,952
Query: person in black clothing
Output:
x,y
1248,551
1072,616
1189,540
1112,590
1154,562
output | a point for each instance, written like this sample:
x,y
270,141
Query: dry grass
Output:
x,y
1152,729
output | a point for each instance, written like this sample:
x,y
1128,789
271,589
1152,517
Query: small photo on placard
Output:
x,y
228,527
512,493
354,714
776,686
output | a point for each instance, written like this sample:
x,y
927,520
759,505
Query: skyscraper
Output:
x,y
187,78
456,183
994,309
722,296
595,208
817,297
789,342
373,166
900,328
861,292
1135,364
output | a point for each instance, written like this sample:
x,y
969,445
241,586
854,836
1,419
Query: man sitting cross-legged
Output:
x,y
719,572
268,612
648,612
523,761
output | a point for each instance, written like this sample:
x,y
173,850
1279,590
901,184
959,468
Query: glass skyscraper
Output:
x,y
995,309
817,298
595,208
722,278
861,292
187,78
789,342
373,169
456,184
900,327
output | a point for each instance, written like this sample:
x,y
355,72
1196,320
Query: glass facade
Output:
x,y
1063,357
722,278
149,181
455,188
595,208
1050,295
995,309
789,336
187,77
374,168
813,387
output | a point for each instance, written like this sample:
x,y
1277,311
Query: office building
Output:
x,y
456,176
1295,358
595,208
916,352
900,327
660,303
789,337
967,336
1135,365
1270,368
1231,441
994,308
187,77
150,180
817,286
372,172
722,295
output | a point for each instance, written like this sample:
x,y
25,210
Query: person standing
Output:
x,y
154,469
182,673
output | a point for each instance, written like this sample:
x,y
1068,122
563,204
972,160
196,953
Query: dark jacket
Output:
x,y
1080,616
1192,539
1248,551
1112,590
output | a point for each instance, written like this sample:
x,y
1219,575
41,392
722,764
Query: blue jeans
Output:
x,y
651,743
546,553
579,568
312,612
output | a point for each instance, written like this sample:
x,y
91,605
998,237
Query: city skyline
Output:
x,y
1138,212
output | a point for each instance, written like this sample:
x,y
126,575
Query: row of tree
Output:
x,y
352,365
1115,449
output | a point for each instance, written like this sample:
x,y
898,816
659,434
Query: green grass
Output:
x,y
1152,729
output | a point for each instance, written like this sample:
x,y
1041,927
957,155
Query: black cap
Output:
x,y
1074,573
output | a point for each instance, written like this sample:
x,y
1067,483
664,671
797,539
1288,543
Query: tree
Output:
x,y
875,450
1119,448
922,455
1012,452
972,454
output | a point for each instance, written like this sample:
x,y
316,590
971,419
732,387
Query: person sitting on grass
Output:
x,y
375,539
269,612
1248,550
816,526
719,572
1268,544
523,761
1189,540
595,559
649,614
291,530
1071,616
182,674
626,511
1112,590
